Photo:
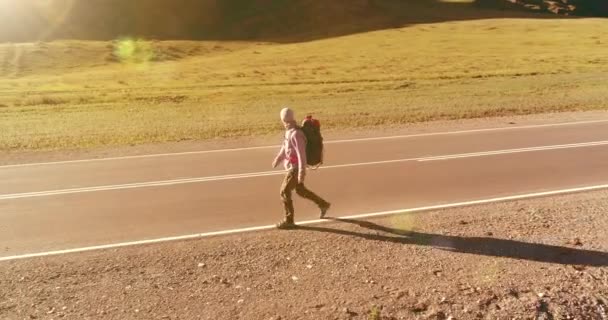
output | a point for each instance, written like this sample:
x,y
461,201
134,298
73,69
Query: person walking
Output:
x,y
293,156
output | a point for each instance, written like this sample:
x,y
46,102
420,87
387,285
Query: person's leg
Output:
x,y
289,184
305,193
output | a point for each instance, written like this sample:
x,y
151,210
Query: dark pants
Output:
x,y
290,183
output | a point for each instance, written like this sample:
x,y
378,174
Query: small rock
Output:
x,y
462,222
437,315
349,312
51,311
294,278
512,292
577,242
33,316
489,233
309,266
419,307
201,265
136,310
437,272
443,300
469,292
541,295
240,301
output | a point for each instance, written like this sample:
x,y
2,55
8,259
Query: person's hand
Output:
x,y
275,163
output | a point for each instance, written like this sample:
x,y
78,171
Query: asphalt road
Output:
x,y
66,205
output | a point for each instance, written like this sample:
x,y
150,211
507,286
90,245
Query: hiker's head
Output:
x,y
288,117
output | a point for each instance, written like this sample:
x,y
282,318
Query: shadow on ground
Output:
x,y
485,246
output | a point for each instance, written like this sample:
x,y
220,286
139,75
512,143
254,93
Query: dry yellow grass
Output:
x,y
74,94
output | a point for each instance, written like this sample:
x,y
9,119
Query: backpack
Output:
x,y
314,141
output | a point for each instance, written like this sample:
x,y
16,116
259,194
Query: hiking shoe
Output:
x,y
285,225
324,210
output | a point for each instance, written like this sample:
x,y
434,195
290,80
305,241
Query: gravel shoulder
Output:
x,y
538,259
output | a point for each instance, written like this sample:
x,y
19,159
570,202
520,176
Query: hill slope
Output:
x,y
395,62
562,7
276,20
68,94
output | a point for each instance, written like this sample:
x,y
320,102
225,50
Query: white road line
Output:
x,y
499,152
273,173
310,222
136,185
327,142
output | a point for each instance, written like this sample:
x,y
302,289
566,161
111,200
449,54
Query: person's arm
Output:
x,y
299,141
280,156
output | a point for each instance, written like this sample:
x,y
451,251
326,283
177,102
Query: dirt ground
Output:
x,y
538,259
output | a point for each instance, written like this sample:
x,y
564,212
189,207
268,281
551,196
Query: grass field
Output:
x,y
87,94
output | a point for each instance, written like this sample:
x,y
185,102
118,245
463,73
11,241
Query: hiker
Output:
x,y
293,154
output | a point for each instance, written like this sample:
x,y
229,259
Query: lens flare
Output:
x,y
404,223
54,14
134,51
490,274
